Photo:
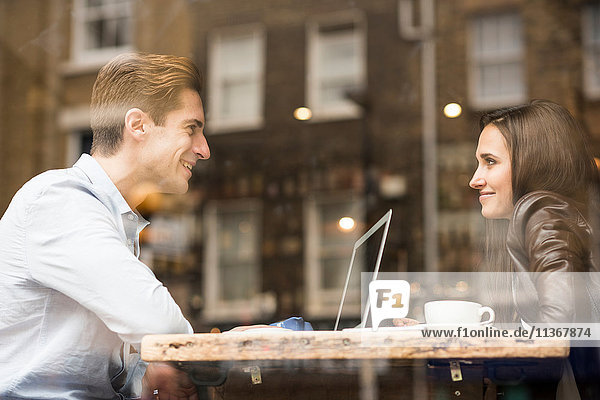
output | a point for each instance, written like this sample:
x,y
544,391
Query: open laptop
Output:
x,y
366,257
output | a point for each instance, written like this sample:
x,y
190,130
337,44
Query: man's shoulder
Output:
x,y
60,188
60,179
58,199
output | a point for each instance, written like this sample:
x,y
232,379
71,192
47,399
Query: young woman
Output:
x,y
538,188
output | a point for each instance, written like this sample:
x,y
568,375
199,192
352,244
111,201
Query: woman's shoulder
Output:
x,y
545,202
544,208
545,196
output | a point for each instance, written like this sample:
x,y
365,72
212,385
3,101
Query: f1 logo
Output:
x,y
388,299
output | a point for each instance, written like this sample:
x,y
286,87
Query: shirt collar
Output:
x,y
98,177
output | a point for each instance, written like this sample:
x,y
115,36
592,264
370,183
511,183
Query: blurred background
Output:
x,y
321,116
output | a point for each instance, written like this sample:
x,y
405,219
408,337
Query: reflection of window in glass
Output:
x,y
337,65
236,79
497,58
591,43
237,233
80,142
232,263
328,251
85,141
101,28
336,244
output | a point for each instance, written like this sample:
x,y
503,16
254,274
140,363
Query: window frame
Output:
x,y
321,302
216,122
476,61
94,58
75,121
215,308
349,109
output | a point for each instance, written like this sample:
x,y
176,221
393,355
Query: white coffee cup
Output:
x,y
457,312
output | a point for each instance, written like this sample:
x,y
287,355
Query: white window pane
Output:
x,y
338,57
509,34
238,282
239,56
238,254
501,80
238,237
516,34
490,80
478,37
239,99
334,92
237,78
489,35
495,35
338,66
106,24
498,58
511,80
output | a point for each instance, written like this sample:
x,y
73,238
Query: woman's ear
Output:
x,y
135,119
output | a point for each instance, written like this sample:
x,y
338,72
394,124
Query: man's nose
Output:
x,y
201,148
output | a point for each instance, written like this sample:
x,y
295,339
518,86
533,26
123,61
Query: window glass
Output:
x,y
237,253
497,61
337,62
107,24
101,29
329,245
236,80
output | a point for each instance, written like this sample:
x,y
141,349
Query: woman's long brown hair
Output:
x,y
548,152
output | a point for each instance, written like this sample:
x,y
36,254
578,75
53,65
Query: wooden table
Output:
x,y
361,365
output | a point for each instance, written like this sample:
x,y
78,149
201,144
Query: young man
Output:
x,y
74,298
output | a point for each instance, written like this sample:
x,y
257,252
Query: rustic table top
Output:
x,y
341,345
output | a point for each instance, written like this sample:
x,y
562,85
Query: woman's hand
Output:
x,y
405,322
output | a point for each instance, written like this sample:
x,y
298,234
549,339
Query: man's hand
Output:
x,y
164,382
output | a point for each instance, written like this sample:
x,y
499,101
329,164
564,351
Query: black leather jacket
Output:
x,y
548,239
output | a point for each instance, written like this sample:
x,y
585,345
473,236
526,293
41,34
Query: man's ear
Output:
x,y
136,123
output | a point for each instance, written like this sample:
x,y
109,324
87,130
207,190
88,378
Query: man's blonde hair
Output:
x,y
150,82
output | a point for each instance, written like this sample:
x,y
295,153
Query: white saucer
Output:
x,y
418,327
454,326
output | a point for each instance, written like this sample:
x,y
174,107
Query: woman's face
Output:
x,y
493,175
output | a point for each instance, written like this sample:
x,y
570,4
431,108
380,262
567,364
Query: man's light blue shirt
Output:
x,y
73,293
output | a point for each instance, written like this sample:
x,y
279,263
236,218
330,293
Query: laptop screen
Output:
x,y
366,257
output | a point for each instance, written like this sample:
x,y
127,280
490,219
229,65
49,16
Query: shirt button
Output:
x,y
129,242
131,217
